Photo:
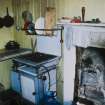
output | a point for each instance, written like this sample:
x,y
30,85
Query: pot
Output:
x,y
8,20
12,45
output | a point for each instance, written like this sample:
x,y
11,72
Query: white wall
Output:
x,y
71,8
6,34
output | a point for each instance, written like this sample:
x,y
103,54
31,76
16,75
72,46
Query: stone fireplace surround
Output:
x,y
91,75
89,86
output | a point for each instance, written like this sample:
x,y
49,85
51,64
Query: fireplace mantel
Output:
x,y
86,34
84,24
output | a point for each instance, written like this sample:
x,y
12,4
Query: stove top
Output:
x,y
35,58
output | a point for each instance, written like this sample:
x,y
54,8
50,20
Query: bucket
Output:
x,y
50,98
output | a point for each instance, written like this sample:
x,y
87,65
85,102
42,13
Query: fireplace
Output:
x,y
90,79
89,84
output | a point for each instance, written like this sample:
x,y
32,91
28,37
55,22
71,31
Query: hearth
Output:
x,y
90,75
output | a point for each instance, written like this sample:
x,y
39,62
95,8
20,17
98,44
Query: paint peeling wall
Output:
x,y
71,8
5,68
6,34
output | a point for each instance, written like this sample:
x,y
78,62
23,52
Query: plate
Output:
x,y
40,24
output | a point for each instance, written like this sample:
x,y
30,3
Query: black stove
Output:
x,y
37,66
35,59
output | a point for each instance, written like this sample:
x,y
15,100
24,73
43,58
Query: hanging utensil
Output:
x,y
1,22
33,44
83,14
40,24
50,19
27,16
8,20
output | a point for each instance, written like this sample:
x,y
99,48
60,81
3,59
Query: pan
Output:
x,y
8,20
1,22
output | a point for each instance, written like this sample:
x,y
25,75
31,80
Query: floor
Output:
x,y
9,97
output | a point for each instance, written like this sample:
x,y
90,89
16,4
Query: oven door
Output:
x,y
28,88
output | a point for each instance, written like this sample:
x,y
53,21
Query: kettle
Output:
x,y
12,45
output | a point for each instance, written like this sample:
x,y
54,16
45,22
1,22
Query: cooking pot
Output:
x,y
12,45
8,20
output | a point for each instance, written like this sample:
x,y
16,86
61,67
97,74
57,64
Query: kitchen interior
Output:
x,y
52,52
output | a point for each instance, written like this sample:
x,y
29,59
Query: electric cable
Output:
x,y
49,80
48,76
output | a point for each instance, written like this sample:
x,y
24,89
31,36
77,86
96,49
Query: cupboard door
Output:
x,y
28,89
15,81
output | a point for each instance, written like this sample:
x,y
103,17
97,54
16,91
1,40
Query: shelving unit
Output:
x,y
33,44
35,33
